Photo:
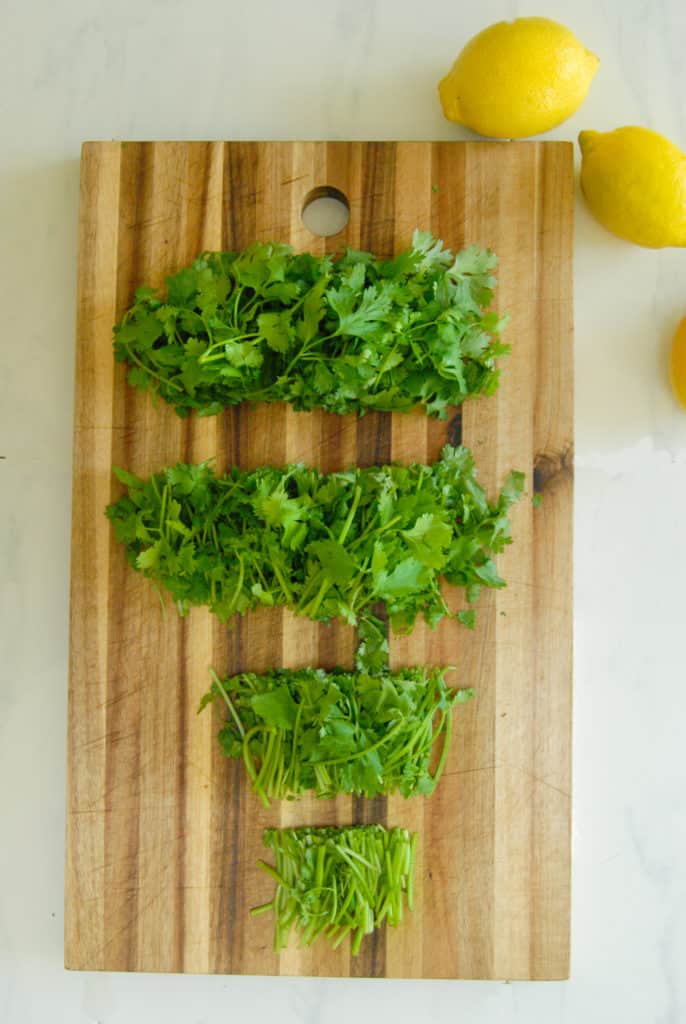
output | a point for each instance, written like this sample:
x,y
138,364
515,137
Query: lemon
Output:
x,y
677,364
518,78
634,181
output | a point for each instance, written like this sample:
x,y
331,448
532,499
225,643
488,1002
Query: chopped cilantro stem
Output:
x,y
335,882
346,335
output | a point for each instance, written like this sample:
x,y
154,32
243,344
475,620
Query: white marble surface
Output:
x,y
350,69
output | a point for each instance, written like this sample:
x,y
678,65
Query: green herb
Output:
x,y
345,335
337,732
337,882
537,500
372,649
324,545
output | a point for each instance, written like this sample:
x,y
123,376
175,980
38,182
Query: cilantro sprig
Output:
x,y
324,545
345,335
335,882
337,732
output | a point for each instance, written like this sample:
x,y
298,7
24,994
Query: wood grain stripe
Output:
x,y
377,234
415,201
552,554
90,553
225,776
203,213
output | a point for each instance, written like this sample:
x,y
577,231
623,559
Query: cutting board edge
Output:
x,y
511,143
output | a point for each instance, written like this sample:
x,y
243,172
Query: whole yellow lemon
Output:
x,y
518,78
634,181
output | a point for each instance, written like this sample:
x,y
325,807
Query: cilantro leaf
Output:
x,y
182,287
407,578
428,539
337,563
276,508
359,316
276,708
277,330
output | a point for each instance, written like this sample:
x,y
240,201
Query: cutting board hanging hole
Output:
x,y
325,211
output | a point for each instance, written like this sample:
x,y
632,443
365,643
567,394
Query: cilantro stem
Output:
x,y
367,750
294,750
167,381
447,721
213,515
245,312
341,935
351,514
377,531
262,909
207,358
239,292
163,507
282,582
266,770
239,584
160,595
269,870
424,324
410,872
234,714
250,765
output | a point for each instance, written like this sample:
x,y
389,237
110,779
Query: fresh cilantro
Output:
x,y
338,882
337,732
372,649
267,325
467,617
325,545
537,500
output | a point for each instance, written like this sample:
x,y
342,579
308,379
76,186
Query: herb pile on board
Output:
x,y
344,335
324,545
337,732
335,882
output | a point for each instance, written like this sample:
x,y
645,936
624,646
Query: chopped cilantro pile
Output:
x,y
335,882
344,335
337,732
324,545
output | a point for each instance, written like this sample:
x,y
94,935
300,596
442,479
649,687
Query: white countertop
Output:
x,y
86,69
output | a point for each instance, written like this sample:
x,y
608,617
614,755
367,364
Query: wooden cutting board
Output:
x,y
163,834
